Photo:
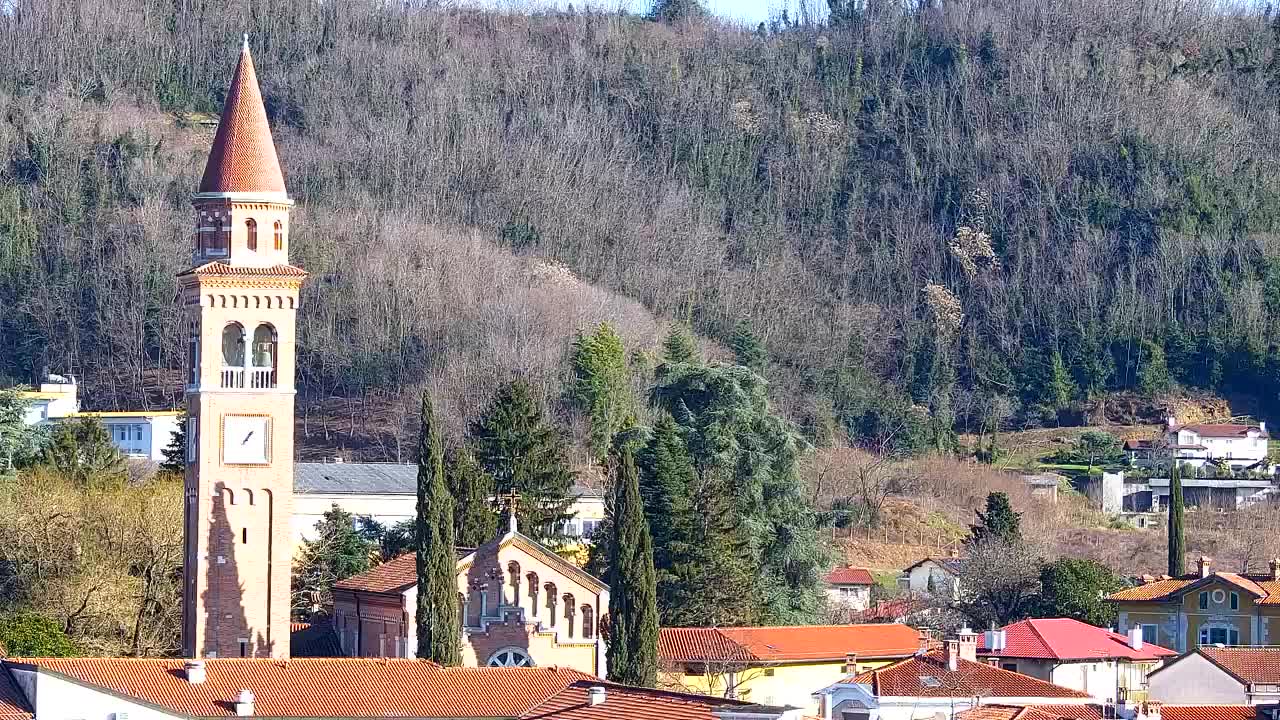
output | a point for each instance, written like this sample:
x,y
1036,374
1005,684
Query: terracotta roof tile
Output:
x,y
13,704
1038,712
628,703
221,268
1265,589
1072,712
1158,590
850,576
1248,664
243,156
1068,639
781,644
1208,712
903,679
391,576
322,687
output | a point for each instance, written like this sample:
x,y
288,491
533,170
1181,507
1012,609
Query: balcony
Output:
x,y
250,378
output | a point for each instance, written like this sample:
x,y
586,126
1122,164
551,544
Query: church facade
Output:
x,y
521,605
240,298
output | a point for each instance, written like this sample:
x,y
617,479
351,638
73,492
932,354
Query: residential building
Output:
x,y
937,576
1203,608
1218,712
388,493
1108,666
520,604
1233,447
850,587
1140,494
776,665
337,688
1220,675
938,684
142,434
238,302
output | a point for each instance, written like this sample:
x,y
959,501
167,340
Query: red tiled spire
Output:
x,y
243,157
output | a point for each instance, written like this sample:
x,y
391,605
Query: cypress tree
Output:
x,y
633,602
667,476
602,385
474,519
439,632
1177,540
525,454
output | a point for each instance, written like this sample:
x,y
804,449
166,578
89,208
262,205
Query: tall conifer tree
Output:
x,y
1177,537
525,454
474,519
633,603
602,385
439,632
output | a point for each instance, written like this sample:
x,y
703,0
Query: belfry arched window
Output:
x,y
233,355
193,354
279,233
251,234
263,371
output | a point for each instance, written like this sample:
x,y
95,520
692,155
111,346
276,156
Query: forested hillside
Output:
x,y
953,215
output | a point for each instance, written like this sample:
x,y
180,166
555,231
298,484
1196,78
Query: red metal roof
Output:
x,y
243,156
850,576
1068,639
322,687
906,679
1208,712
783,644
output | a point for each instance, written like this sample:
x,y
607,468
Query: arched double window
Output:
x,y
255,369
279,233
251,234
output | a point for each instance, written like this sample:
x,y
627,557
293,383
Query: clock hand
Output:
x,y
246,437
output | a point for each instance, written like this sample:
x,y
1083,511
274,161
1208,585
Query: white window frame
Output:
x,y
1154,636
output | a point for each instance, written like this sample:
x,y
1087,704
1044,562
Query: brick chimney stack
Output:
x,y
1202,565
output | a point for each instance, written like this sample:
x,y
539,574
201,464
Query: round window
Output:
x,y
510,657
1219,596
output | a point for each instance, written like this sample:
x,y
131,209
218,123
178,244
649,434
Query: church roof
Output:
x,y
243,158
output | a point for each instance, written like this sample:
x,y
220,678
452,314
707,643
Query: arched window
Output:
x,y
550,588
510,657
533,592
279,231
233,356
193,355
513,576
251,234
588,622
264,357
218,236
568,612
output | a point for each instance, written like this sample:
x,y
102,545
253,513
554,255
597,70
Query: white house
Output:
x,y
850,587
388,493
1108,666
938,684
57,397
1220,676
142,434
934,576
1229,446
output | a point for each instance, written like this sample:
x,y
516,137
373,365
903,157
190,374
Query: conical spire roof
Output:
x,y
243,158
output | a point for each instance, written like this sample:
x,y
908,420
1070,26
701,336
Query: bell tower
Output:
x,y
240,299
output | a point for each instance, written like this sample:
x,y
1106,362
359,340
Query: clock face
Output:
x,y
246,440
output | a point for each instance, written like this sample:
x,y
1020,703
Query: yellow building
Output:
x,y
1204,608
777,665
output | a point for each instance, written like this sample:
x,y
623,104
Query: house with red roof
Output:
x,y
939,684
1221,676
1230,446
777,665
1108,666
850,587
346,688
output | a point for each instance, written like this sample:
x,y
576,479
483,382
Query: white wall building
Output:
x,y
1219,676
934,576
142,434
850,587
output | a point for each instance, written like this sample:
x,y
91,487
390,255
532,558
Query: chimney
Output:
x,y
1275,569
968,647
1135,638
1171,422
337,459
851,664
951,649
924,644
1203,566
244,703
596,695
195,671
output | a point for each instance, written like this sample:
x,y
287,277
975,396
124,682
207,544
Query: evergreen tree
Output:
x,y
337,552
1177,538
747,348
81,449
1153,373
525,454
633,608
391,541
475,521
999,521
602,385
20,444
672,11
679,347
1076,588
667,477
175,453
439,632
29,634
